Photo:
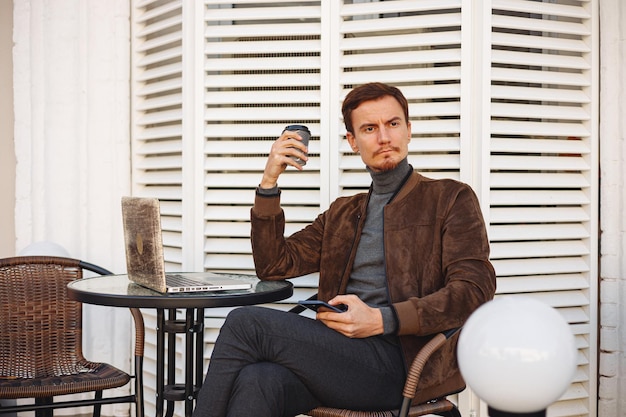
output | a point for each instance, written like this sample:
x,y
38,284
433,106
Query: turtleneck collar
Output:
x,y
388,181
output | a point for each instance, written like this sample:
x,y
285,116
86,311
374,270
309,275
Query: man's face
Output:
x,y
381,135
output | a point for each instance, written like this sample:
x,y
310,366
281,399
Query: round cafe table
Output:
x,y
119,291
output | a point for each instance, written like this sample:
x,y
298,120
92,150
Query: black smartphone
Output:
x,y
316,304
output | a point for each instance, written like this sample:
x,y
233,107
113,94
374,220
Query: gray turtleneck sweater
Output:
x,y
368,278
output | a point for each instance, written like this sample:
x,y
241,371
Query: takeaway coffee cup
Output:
x,y
304,133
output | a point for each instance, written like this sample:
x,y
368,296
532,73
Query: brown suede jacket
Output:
x,y
436,258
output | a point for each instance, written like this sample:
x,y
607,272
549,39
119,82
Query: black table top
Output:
x,y
119,291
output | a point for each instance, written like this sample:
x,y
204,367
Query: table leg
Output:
x,y
200,348
194,361
189,388
171,359
160,365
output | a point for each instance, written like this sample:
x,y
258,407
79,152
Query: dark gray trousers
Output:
x,y
270,363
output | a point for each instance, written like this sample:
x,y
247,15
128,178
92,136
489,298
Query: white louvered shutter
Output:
x,y
502,94
262,71
157,138
543,175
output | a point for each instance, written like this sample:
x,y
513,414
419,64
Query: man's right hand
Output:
x,y
287,145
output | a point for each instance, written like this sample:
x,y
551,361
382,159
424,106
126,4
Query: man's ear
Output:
x,y
352,141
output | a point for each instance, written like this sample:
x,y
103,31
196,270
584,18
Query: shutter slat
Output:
x,y
261,64
171,84
225,262
539,94
395,76
555,129
161,116
536,78
537,232
538,214
157,102
534,249
156,148
249,164
159,27
539,59
263,80
531,163
396,24
262,30
262,113
559,265
172,53
531,146
397,6
261,130
541,8
238,147
262,13
539,283
562,113
287,180
365,60
537,197
538,180
559,299
262,46
431,91
434,144
162,177
160,42
539,25
574,315
223,98
234,229
429,39
568,408
546,42
160,71
228,245
159,132
160,163
153,13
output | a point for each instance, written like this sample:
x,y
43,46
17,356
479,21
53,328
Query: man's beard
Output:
x,y
391,162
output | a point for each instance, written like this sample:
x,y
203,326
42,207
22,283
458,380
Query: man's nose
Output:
x,y
383,135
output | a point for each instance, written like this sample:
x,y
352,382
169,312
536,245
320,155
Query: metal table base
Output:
x,y
193,329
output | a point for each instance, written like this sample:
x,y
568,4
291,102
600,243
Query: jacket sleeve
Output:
x,y
276,257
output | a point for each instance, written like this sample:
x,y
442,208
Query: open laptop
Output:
x,y
144,254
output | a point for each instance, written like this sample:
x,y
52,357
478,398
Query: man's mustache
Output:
x,y
388,148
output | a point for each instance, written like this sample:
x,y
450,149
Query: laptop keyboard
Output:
x,y
176,280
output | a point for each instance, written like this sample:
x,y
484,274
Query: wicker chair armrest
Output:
x,y
140,332
415,371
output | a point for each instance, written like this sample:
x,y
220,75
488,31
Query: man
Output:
x,y
408,259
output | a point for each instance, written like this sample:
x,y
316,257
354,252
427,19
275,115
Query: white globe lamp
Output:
x,y
518,355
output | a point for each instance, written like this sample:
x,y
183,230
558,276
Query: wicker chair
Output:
x,y
439,406
41,339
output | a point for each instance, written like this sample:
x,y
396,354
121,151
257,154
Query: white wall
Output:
x,y
612,367
71,81
7,151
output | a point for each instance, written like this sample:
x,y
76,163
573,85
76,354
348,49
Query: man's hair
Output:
x,y
367,92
